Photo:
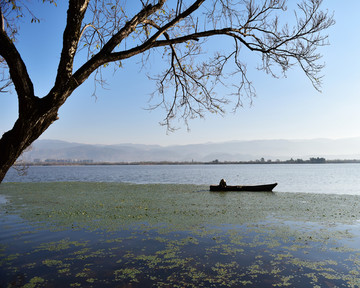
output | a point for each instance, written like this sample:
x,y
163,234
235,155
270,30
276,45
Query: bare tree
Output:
x,y
110,32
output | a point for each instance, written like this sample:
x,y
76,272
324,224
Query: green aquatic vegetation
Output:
x,y
168,253
82,251
353,282
284,281
30,265
35,282
81,274
236,238
282,256
173,257
270,243
276,270
52,262
342,249
227,249
256,269
161,239
314,278
93,254
168,258
118,240
122,204
213,249
354,272
184,235
295,247
174,263
245,282
188,240
331,262
355,260
320,266
129,274
225,274
60,245
129,255
12,257
64,271
195,275
152,261
329,276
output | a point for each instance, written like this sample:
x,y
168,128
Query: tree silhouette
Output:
x,y
111,32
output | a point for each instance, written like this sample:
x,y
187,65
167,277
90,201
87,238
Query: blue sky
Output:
x,y
287,108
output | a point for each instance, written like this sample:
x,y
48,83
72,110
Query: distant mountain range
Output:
x,y
348,148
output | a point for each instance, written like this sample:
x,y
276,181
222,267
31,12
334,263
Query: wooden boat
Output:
x,y
252,188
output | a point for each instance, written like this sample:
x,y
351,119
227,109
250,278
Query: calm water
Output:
x,y
87,229
322,178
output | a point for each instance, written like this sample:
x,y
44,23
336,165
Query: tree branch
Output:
x,y
173,22
18,72
130,26
102,57
71,37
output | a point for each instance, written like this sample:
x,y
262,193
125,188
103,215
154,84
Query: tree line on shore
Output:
x,y
312,160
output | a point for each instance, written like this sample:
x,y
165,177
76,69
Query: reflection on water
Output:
x,y
123,235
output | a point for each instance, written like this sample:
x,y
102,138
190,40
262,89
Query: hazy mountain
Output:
x,y
227,151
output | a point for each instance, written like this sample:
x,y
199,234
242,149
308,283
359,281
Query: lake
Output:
x,y
308,178
160,226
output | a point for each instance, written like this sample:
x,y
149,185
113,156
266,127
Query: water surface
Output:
x,y
85,234
313,178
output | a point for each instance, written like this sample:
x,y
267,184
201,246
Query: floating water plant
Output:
x,y
178,235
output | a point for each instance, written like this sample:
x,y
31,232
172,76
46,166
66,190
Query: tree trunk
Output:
x,y
26,130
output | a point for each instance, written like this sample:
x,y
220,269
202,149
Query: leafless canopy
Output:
x,y
113,31
179,32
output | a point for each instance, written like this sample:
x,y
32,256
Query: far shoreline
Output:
x,y
215,162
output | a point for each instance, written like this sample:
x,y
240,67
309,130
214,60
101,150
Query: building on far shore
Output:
x,y
64,161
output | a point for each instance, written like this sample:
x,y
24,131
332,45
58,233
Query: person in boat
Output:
x,y
222,183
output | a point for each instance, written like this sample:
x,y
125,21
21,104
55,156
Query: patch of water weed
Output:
x,y
58,246
35,282
128,274
110,205
179,235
